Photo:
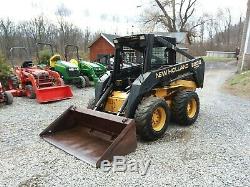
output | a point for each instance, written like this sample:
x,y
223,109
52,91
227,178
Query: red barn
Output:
x,y
102,47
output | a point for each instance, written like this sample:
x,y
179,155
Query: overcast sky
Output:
x,y
111,16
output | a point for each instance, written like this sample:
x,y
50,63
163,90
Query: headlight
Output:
x,y
142,37
73,69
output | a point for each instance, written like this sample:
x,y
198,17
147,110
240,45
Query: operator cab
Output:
x,y
138,54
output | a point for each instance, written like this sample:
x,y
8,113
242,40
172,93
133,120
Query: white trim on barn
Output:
x,y
110,42
102,35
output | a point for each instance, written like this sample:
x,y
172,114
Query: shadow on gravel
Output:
x,y
179,135
175,133
36,180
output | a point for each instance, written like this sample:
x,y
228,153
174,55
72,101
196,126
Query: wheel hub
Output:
x,y
191,108
158,118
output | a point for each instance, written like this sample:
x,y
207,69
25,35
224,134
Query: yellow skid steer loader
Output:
x,y
146,87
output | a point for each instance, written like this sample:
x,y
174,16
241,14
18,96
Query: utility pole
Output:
x,y
244,61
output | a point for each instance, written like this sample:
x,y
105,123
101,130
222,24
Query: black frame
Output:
x,y
66,49
149,79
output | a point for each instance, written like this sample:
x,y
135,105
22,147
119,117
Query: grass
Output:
x,y
243,78
239,84
217,59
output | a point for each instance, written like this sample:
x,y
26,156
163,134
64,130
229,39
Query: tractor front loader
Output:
x,y
146,87
68,71
34,82
90,71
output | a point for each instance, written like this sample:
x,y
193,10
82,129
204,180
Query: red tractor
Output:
x,y
35,82
5,97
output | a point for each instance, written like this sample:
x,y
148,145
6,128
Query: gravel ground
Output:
x,y
215,151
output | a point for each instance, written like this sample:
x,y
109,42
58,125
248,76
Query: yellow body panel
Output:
x,y
166,91
184,83
161,92
115,101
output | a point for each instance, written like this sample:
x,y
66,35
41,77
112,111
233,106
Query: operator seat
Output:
x,y
74,61
53,60
27,64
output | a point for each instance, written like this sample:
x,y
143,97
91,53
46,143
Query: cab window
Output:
x,y
159,57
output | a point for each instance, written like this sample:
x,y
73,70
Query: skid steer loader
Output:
x,y
146,87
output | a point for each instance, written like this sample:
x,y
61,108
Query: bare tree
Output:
x,y
87,35
27,33
210,29
223,29
228,24
7,32
62,13
174,16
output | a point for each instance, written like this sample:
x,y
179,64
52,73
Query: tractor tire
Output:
x,y
87,81
152,118
186,107
91,103
81,83
15,81
60,82
8,98
30,92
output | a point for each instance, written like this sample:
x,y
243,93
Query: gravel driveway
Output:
x,y
215,151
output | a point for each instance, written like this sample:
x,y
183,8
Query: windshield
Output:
x,y
131,57
159,56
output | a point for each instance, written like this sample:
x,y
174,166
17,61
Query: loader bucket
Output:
x,y
55,93
92,136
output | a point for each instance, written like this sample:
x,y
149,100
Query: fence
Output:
x,y
221,54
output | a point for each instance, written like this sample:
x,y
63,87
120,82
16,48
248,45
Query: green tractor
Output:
x,y
90,71
68,71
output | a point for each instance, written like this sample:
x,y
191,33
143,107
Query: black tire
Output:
x,y
60,82
81,82
30,92
180,107
143,118
15,81
87,81
8,98
91,103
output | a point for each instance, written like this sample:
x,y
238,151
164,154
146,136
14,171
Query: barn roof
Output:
x,y
108,37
